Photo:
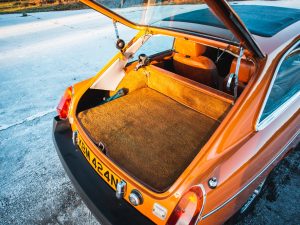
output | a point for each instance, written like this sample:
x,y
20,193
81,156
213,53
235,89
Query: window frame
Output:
x,y
260,125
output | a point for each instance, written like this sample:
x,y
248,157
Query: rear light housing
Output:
x,y
189,208
64,104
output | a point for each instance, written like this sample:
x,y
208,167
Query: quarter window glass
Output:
x,y
154,45
286,84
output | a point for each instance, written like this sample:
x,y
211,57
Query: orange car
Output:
x,y
185,123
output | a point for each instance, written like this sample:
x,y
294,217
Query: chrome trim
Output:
x,y
121,189
258,175
228,85
236,77
75,137
261,125
136,198
204,201
212,183
252,197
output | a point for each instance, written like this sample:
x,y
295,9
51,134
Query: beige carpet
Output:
x,y
149,135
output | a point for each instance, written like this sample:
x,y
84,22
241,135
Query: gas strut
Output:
x,y
120,44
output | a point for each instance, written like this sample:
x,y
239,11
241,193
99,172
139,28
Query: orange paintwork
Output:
x,y
236,153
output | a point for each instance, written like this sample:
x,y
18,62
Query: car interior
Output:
x,y
164,111
204,65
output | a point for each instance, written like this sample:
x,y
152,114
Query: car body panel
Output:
x,y
229,147
262,149
235,151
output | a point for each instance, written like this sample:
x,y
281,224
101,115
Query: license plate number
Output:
x,y
105,173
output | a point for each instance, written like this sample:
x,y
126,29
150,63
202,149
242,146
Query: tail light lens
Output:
x,y
188,208
64,104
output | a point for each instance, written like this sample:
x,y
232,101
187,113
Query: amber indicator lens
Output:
x,y
64,104
187,210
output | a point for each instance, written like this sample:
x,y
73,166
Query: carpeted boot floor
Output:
x,y
149,135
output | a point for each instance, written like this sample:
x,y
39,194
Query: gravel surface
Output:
x,y
279,201
40,56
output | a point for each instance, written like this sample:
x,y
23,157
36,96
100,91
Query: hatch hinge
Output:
x,y
116,29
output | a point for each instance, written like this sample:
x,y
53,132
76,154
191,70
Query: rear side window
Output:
x,y
286,85
156,44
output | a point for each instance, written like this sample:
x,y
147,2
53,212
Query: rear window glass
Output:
x,y
155,44
263,18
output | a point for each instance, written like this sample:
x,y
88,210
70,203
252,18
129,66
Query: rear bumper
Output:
x,y
97,195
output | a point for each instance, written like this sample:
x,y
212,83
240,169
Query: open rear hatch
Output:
x,y
183,18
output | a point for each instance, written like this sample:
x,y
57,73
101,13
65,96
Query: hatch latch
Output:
x,y
121,189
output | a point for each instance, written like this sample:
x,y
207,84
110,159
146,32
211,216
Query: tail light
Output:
x,y
64,104
189,207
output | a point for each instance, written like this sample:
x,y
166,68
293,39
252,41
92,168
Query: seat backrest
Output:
x,y
247,68
188,61
188,48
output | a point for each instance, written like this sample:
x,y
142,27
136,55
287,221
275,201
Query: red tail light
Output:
x,y
64,104
188,208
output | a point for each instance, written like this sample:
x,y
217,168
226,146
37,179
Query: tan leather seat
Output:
x,y
246,70
189,62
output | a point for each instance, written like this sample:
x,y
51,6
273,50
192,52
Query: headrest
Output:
x,y
247,68
189,48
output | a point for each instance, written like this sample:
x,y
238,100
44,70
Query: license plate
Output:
x,y
100,168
